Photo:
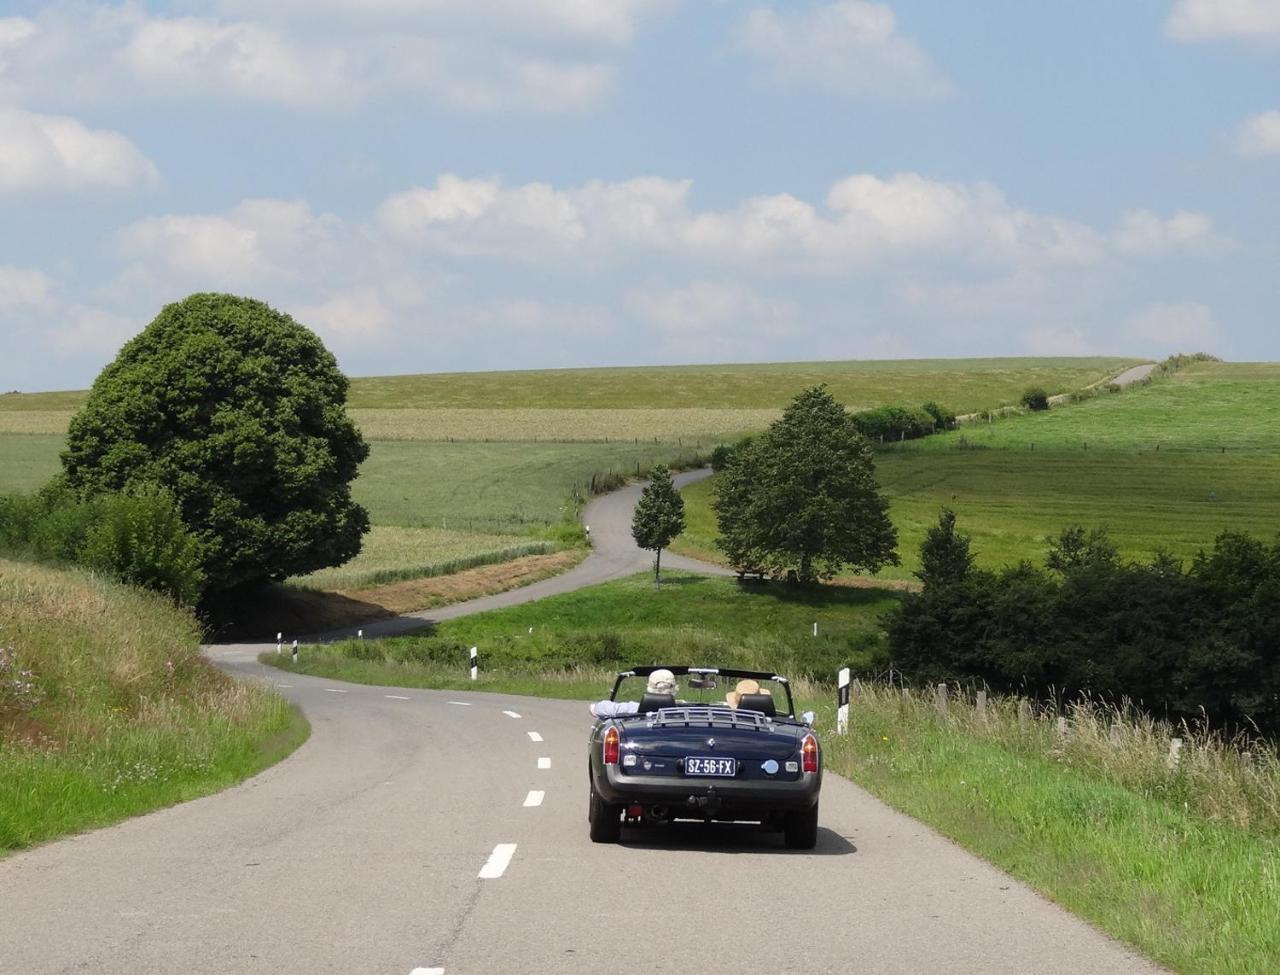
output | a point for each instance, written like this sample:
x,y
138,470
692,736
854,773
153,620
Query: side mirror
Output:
x,y
807,718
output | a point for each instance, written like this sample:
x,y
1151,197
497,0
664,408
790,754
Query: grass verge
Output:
x,y
107,709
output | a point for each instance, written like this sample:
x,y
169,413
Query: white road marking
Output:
x,y
544,763
427,971
534,736
461,704
534,798
335,690
511,714
496,865
284,685
396,697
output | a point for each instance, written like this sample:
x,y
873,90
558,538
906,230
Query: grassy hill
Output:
x,y
107,708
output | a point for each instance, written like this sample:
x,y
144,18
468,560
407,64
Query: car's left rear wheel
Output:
x,y
605,819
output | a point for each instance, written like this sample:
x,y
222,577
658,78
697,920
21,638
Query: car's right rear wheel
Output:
x,y
605,819
801,829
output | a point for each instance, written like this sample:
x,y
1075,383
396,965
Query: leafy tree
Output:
x,y
138,537
803,495
944,553
943,418
1036,399
1075,549
659,516
238,411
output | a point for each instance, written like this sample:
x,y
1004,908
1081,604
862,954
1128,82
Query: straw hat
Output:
x,y
661,682
745,686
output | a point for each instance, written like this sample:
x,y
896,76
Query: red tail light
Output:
x,y
611,746
809,754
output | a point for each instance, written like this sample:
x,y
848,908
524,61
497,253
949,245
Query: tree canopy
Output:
x,y
803,496
239,412
659,515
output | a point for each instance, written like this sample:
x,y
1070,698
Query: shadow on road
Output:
x,y
727,838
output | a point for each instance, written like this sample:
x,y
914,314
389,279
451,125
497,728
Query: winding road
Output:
x,y
444,833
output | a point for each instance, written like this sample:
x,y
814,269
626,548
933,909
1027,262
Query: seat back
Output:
x,y
652,702
762,703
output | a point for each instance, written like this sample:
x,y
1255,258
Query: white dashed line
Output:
x,y
496,865
511,714
284,685
395,697
427,971
335,690
534,798
534,736
461,704
544,763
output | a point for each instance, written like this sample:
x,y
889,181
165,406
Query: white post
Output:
x,y
815,628
531,631
1062,728
475,662
279,643
359,634
295,651
940,699
982,705
1175,754
842,701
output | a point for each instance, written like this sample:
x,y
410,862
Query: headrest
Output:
x,y
652,702
758,702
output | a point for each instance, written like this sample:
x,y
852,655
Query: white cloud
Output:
x,y
850,47
1142,233
22,286
358,315
1180,326
57,152
92,331
1059,340
1211,20
1259,135
704,305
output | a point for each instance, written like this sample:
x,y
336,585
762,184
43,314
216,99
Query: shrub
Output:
x,y
943,418
139,538
1035,399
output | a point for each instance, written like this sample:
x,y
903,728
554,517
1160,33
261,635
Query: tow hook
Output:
x,y
708,805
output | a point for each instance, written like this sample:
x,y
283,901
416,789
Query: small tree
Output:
x,y
1035,399
659,517
804,495
1076,549
944,554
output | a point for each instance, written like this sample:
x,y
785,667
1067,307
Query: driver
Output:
x,y
661,681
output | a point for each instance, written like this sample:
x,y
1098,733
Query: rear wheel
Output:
x,y
605,819
801,829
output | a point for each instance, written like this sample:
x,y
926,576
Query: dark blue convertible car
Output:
x,y
726,746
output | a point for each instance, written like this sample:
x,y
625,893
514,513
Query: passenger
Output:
x,y
745,686
660,682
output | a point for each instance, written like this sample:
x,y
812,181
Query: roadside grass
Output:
x,y
1206,406
964,385
108,710
1010,501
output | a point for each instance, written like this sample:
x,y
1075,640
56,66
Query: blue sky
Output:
x,y
486,184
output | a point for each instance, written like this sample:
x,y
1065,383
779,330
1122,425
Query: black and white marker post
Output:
x,y
475,663
295,651
842,702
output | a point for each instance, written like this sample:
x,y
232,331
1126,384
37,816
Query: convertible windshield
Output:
x,y
710,689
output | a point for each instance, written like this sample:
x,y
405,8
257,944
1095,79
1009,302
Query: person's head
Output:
x,y
661,682
745,686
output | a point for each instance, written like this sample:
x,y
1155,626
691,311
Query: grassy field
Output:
x,y
1182,865
963,385
108,710
28,460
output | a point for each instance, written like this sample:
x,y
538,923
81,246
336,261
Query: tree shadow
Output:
x,y
258,613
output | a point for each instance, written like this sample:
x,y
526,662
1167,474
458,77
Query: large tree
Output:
x,y
659,516
239,412
803,496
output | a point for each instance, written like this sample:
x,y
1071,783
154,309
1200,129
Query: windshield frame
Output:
x,y
683,671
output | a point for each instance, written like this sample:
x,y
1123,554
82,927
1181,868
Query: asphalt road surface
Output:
x,y
445,833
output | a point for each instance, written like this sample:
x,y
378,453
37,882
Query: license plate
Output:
x,y
709,766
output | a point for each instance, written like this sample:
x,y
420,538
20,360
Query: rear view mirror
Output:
x,y
807,718
702,683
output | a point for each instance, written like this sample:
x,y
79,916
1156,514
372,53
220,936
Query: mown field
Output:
x,y
108,710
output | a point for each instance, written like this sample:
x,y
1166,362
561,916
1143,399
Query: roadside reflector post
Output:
x,y
1024,713
842,701
359,634
815,628
279,643
295,651
475,662
1175,755
940,699
982,705
1062,729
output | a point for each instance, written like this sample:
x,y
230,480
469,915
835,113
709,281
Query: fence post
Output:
x,y
1024,713
842,701
1175,755
982,705
940,699
1062,728
475,662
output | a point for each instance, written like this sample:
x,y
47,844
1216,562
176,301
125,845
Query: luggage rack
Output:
x,y
709,715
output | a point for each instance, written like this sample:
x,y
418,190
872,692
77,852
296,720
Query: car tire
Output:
x,y
605,819
802,829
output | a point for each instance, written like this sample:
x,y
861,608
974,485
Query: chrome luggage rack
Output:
x,y
709,715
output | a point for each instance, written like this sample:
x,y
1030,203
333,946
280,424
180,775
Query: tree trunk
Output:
x,y
806,570
657,567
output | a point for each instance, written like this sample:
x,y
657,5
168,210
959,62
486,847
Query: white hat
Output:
x,y
661,682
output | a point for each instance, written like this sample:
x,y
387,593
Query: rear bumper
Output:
x,y
706,797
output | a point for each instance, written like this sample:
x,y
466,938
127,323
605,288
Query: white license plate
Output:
x,y
696,765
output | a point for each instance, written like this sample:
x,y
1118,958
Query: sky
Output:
x,y
443,185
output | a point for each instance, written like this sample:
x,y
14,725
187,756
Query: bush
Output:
x,y
943,418
1035,399
139,538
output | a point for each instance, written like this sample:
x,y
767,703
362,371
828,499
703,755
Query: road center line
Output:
x,y
534,798
284,685
396,697
511,714
496,865
461,704
534,736
335,690
427,971
544,762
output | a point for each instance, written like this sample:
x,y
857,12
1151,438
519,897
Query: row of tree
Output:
x,y
1200,642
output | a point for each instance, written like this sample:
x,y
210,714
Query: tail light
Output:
x,y
809,754
611,746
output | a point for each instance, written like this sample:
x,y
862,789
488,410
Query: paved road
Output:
x,y
428,832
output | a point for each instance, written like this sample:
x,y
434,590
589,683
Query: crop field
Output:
x,y
27,460
1208,406
392,554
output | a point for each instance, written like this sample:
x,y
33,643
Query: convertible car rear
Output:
x,y
664,759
